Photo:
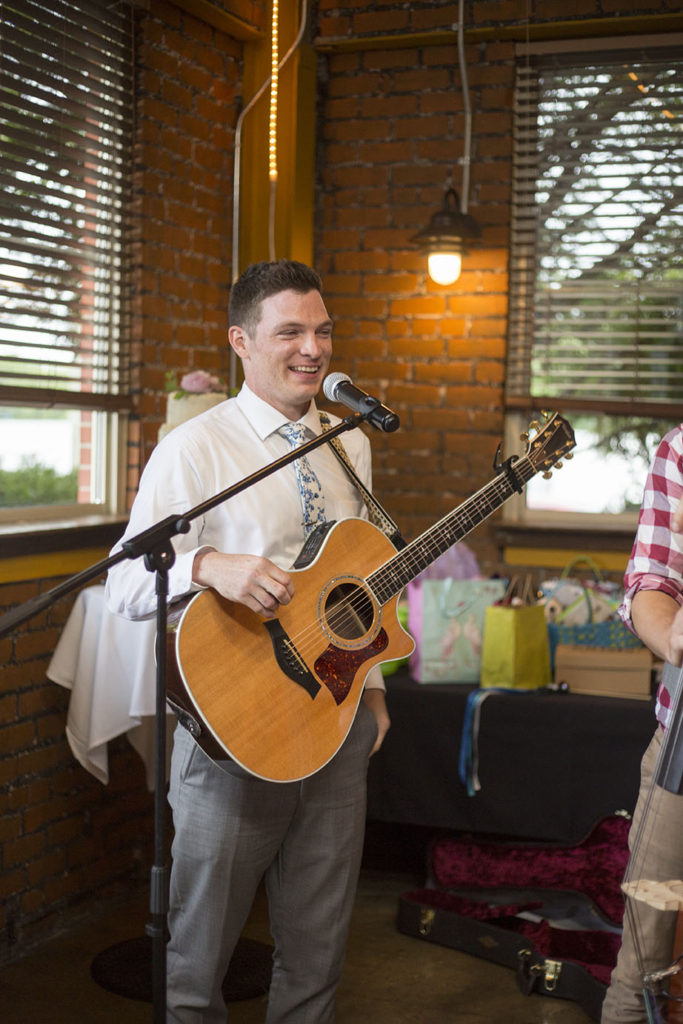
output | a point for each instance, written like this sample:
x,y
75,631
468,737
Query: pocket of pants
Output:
x,y
180,759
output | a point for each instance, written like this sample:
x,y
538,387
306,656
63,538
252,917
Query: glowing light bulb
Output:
x,y
444,267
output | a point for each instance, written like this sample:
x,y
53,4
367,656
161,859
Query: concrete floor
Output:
x,y
389,978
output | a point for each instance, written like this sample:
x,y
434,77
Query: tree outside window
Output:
x,y
596,286
66,126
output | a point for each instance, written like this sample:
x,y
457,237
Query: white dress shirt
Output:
x,y
209,453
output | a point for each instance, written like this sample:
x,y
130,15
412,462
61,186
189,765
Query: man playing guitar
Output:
x,y
232,828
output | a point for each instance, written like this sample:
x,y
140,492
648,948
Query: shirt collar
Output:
x,y
266,420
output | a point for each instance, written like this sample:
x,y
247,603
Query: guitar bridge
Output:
x,y
289,659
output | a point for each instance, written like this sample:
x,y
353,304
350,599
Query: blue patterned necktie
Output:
x,y
310,488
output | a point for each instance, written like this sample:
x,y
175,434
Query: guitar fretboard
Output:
x,y
394,575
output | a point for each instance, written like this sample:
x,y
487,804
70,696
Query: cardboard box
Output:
x,y
604,671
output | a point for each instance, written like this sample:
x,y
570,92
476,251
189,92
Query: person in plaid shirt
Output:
x,y
653,609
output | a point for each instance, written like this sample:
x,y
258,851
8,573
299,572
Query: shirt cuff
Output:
x,y
375,679
182,572
649,581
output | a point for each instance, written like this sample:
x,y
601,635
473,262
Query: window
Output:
x,y
596,274
66,94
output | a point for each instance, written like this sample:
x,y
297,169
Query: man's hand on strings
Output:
x,y
250,580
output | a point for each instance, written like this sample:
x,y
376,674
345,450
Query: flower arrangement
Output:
x,y
198,382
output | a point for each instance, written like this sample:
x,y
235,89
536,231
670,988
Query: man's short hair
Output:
x,y
261,280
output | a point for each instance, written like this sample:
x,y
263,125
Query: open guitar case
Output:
x,y
551,913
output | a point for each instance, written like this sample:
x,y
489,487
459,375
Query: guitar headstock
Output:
x,y
549,442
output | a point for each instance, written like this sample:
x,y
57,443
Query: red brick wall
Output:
x,y
66,841
393,126
188,102
64,837
390,140
392,131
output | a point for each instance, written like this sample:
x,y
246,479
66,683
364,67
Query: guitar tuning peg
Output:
x,y
546,414
534,425
558,465
568,456
524,437
547,475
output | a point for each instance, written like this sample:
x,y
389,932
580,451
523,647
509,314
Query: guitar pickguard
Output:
x,y
337,668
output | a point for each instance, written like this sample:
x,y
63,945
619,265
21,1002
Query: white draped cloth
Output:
x,y
108,664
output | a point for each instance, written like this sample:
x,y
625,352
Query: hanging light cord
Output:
x,y
464,194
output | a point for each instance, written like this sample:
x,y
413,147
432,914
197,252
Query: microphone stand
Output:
x,y
155,547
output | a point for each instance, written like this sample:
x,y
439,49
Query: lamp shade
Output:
x,y
445,239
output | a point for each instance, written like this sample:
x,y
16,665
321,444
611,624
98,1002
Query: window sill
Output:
x,y
594,538
554,547
18,540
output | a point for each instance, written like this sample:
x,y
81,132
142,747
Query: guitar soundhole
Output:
x,y
349,611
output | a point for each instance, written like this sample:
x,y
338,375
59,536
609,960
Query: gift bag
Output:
x,y
453,614
572,601
457,563
515,653
584,611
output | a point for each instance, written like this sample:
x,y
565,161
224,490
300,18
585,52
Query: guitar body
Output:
x,y
279,696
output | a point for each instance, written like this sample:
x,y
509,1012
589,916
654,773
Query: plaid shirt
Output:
x,y
656,561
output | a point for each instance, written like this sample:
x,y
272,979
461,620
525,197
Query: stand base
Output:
x,y
126,969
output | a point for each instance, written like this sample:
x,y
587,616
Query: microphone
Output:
x,y
338,387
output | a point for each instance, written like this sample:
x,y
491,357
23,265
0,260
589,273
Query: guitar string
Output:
x,y
352,609
347,613
344,616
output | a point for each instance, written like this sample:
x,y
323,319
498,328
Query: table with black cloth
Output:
x,y
551,765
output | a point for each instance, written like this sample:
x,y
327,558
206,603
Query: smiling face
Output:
x,y
286,355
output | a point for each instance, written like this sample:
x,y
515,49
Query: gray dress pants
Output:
x,y
648,933
305,838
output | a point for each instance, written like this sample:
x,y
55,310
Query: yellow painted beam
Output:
x,y
522,32
46,566
558,558
294,196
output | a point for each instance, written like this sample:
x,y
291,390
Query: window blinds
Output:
x,y
66,105
596,273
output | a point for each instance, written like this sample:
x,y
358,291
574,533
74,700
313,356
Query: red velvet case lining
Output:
x,y
594,868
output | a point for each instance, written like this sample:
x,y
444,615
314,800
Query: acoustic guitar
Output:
x,y
279,695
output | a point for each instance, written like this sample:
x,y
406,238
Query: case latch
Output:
x,y
529,972
552,971
427,915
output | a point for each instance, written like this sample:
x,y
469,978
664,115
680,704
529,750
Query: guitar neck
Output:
x,y
390,579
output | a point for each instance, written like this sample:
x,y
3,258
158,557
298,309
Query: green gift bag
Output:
x,y
452,621
515,652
